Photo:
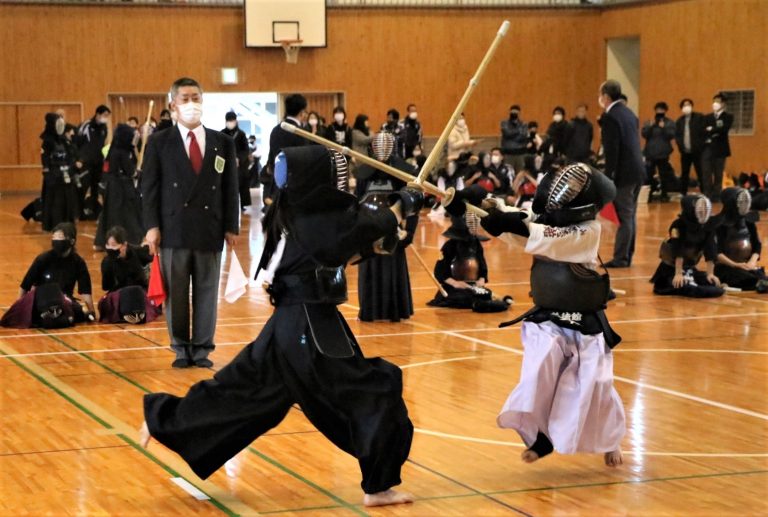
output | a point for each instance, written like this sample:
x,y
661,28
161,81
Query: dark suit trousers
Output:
x,y
686,160
626,208
201,268
712,168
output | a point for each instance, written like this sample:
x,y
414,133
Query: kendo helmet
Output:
x,y
737,201
302,170
572,194
696,208
383,143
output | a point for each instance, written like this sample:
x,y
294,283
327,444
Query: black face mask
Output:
x,y
114,253
660,116
513,116
61,247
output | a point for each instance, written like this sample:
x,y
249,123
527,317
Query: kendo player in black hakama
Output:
x,y
383,282
306,354
738,244
463,271
691,235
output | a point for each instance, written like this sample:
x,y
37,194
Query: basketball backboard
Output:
x,y
268,22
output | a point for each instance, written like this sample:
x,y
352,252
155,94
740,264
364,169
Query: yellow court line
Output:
x,y
120,427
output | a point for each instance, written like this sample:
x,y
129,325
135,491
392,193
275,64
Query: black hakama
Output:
x,y
354,401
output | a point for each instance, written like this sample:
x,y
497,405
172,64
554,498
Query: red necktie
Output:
x,y
195,156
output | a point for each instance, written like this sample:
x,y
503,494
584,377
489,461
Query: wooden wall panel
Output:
x,y
135,105
387,58
693,48
9,153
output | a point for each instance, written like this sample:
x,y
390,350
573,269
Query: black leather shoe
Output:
x,y
181,362
616,264
203,363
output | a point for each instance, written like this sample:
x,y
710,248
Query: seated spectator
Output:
x,y
46,298
124,276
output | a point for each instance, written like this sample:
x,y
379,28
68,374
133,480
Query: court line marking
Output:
x,y
433,331
466,438
162,457
556,487
647,386
468,487
214,500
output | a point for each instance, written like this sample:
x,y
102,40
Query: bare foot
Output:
x,y
144,436
614,458
387,497
529,456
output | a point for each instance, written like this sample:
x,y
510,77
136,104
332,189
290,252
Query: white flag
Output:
x,y
236,282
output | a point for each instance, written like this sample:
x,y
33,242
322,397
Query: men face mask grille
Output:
x,y
341,167
383,143
702,209
743,202
568,183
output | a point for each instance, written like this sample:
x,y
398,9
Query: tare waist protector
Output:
x,y
568,287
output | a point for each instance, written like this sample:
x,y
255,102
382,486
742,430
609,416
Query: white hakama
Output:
x,y
565,391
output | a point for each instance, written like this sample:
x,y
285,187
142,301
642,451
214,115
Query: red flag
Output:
x,y
609,214
156,292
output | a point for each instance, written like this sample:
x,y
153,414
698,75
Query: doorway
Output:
x,y
623,65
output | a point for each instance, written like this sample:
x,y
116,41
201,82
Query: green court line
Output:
x,y
334,497
561,487
106,425
95,361
634,481
251,449
306,509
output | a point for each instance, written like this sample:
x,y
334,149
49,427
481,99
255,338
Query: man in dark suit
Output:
x,y
689,135
624,165
190,202
295,113
716,148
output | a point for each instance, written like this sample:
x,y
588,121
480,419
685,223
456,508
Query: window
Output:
x,y
741,104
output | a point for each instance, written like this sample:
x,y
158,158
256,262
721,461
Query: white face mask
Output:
x,y
557,118
339,118
495,159
600,101
461,123
190,112
451,169
313,122
60,126
687,110
232,124
413,115
716,106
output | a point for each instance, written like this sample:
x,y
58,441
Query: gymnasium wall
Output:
x,y
378,58
694,48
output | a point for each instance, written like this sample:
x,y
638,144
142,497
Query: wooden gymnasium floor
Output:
x,y
691,373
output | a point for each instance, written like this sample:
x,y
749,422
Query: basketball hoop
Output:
x,y
291,47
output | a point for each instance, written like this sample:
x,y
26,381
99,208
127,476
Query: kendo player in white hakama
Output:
x,y
306,354
565,399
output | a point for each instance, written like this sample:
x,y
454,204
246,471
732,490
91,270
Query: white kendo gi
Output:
x,y
565,397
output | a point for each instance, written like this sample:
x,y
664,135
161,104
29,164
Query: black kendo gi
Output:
x,y
243,165
59,193
462,258
691,235
738,240
383,281
122,198
306,354
565,399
